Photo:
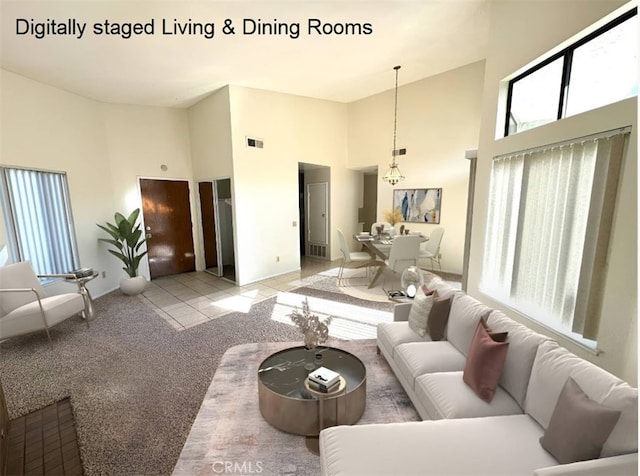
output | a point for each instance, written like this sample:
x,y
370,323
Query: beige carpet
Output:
x,y
229,432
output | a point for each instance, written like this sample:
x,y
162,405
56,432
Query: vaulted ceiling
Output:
x,y
336,50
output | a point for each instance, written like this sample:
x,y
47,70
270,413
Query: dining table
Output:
x,y
378,246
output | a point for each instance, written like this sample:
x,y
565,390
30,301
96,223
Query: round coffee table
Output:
x,y
287,405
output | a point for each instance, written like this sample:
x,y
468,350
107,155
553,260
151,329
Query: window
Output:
x,y
600,69
549,217
38,218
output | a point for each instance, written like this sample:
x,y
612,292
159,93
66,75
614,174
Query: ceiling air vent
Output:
x,y
399,151
253,142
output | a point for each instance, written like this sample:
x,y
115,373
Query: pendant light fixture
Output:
x,y
393,175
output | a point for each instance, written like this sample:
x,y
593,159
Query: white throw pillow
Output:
x,y
419,313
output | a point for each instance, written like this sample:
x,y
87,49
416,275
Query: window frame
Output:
x,y
10,220
595,251
567,54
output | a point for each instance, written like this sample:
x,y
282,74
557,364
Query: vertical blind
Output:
x,y
39,217
548,224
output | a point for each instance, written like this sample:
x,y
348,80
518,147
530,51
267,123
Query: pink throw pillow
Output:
x,y
485,361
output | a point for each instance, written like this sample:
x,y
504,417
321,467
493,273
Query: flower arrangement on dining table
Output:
x,y
314,329
393,216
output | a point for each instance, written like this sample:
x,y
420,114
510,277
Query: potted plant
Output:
x,y
127,239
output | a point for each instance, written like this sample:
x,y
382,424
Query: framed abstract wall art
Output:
x,y
418,205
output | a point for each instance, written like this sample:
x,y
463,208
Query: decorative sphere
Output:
x,y
411,280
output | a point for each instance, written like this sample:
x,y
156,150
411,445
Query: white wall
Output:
x,y
139,141
561,20
438,120
103,149
210,134
46,128
265,181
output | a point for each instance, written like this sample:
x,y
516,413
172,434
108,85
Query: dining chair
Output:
x,y
24,305
404,252
349,256
432,249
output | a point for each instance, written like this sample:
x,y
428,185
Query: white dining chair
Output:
x,y
349,256
404,252
431,250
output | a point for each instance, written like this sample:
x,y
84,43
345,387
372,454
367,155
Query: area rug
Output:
x,y
229,434
355,284
135,385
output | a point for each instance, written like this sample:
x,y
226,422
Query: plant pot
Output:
x,y
133,286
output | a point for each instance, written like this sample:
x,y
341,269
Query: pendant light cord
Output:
x,y
395,118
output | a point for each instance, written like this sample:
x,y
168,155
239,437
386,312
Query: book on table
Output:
x,y
318,387
324,377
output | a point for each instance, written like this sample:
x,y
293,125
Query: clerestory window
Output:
x,y
600,69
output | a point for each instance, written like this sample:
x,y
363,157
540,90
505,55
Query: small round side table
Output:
x,y
88,313
313,442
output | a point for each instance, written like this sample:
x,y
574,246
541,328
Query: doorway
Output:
x,y
217,228
367,214
166,213
314,210
208,221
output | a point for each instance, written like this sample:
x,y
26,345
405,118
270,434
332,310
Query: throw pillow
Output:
x,y
438,317
426,290
485,360
578,427
497,336
419,313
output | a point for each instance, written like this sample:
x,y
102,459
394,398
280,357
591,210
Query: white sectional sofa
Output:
x,y
463,434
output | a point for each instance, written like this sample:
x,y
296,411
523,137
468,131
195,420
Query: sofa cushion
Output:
x,y
444,289
523,344
552,367
464,316
445,395
417,358
483,368
504,445
392,334
419,313
438,317
578,427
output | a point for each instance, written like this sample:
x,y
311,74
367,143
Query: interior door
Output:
x,y
167,218
317,204
207,215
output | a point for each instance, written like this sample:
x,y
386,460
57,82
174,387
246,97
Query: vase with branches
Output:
x,y
393,216
314,330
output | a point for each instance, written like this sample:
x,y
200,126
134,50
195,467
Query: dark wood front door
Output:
x,y
208,224
167,218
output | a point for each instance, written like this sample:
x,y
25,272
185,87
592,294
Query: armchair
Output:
x,y
24,305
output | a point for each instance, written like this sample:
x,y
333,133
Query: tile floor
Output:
x,y
189,299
